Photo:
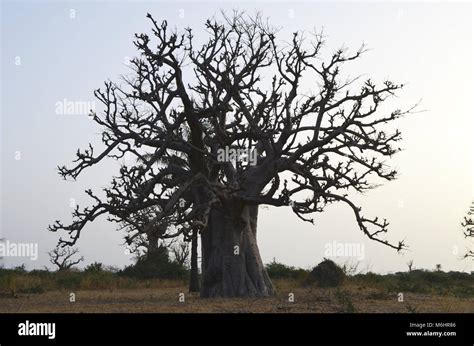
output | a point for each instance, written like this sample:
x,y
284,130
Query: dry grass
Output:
x,y
162,296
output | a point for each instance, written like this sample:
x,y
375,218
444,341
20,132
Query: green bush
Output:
x,y
94,268
345,300
327,274
68,279
155,265
457,284
34,289
277,270
20,269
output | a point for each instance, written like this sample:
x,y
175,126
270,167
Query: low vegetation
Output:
x,y
327,274
148,271
326,286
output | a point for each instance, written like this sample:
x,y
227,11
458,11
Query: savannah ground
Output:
x,y
103,292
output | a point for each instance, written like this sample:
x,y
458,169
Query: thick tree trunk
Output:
x,y
231,262
194,280
152,242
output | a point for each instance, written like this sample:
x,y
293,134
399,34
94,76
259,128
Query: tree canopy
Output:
x,y
243,89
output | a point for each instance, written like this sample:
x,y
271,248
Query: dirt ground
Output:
x,y
166,300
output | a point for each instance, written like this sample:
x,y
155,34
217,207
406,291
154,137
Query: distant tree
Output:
x,y
468,228
144,239
94,267
410,265
438,267
146,230
247,91
156,264
180,252
1,258
62,257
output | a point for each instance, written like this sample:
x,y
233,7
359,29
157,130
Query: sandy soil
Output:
x,y
166,299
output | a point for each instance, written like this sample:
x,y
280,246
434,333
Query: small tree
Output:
x,y
468,228
180,251
410,265
327,274
145,239
146,228
156,264
62,257
144,233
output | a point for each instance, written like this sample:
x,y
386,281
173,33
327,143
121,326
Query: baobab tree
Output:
x,y
243,92
468,228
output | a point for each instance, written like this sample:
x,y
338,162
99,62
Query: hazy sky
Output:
x,y
53,51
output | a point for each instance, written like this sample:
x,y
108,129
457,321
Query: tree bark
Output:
x,y
152,245
231,262
194,279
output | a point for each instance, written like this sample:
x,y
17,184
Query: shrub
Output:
x,y
94,268
277,270
68,279
345,300
35,289
327,274
155,265
97,280
20,269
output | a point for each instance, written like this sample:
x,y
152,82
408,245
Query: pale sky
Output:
x,y
47,57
